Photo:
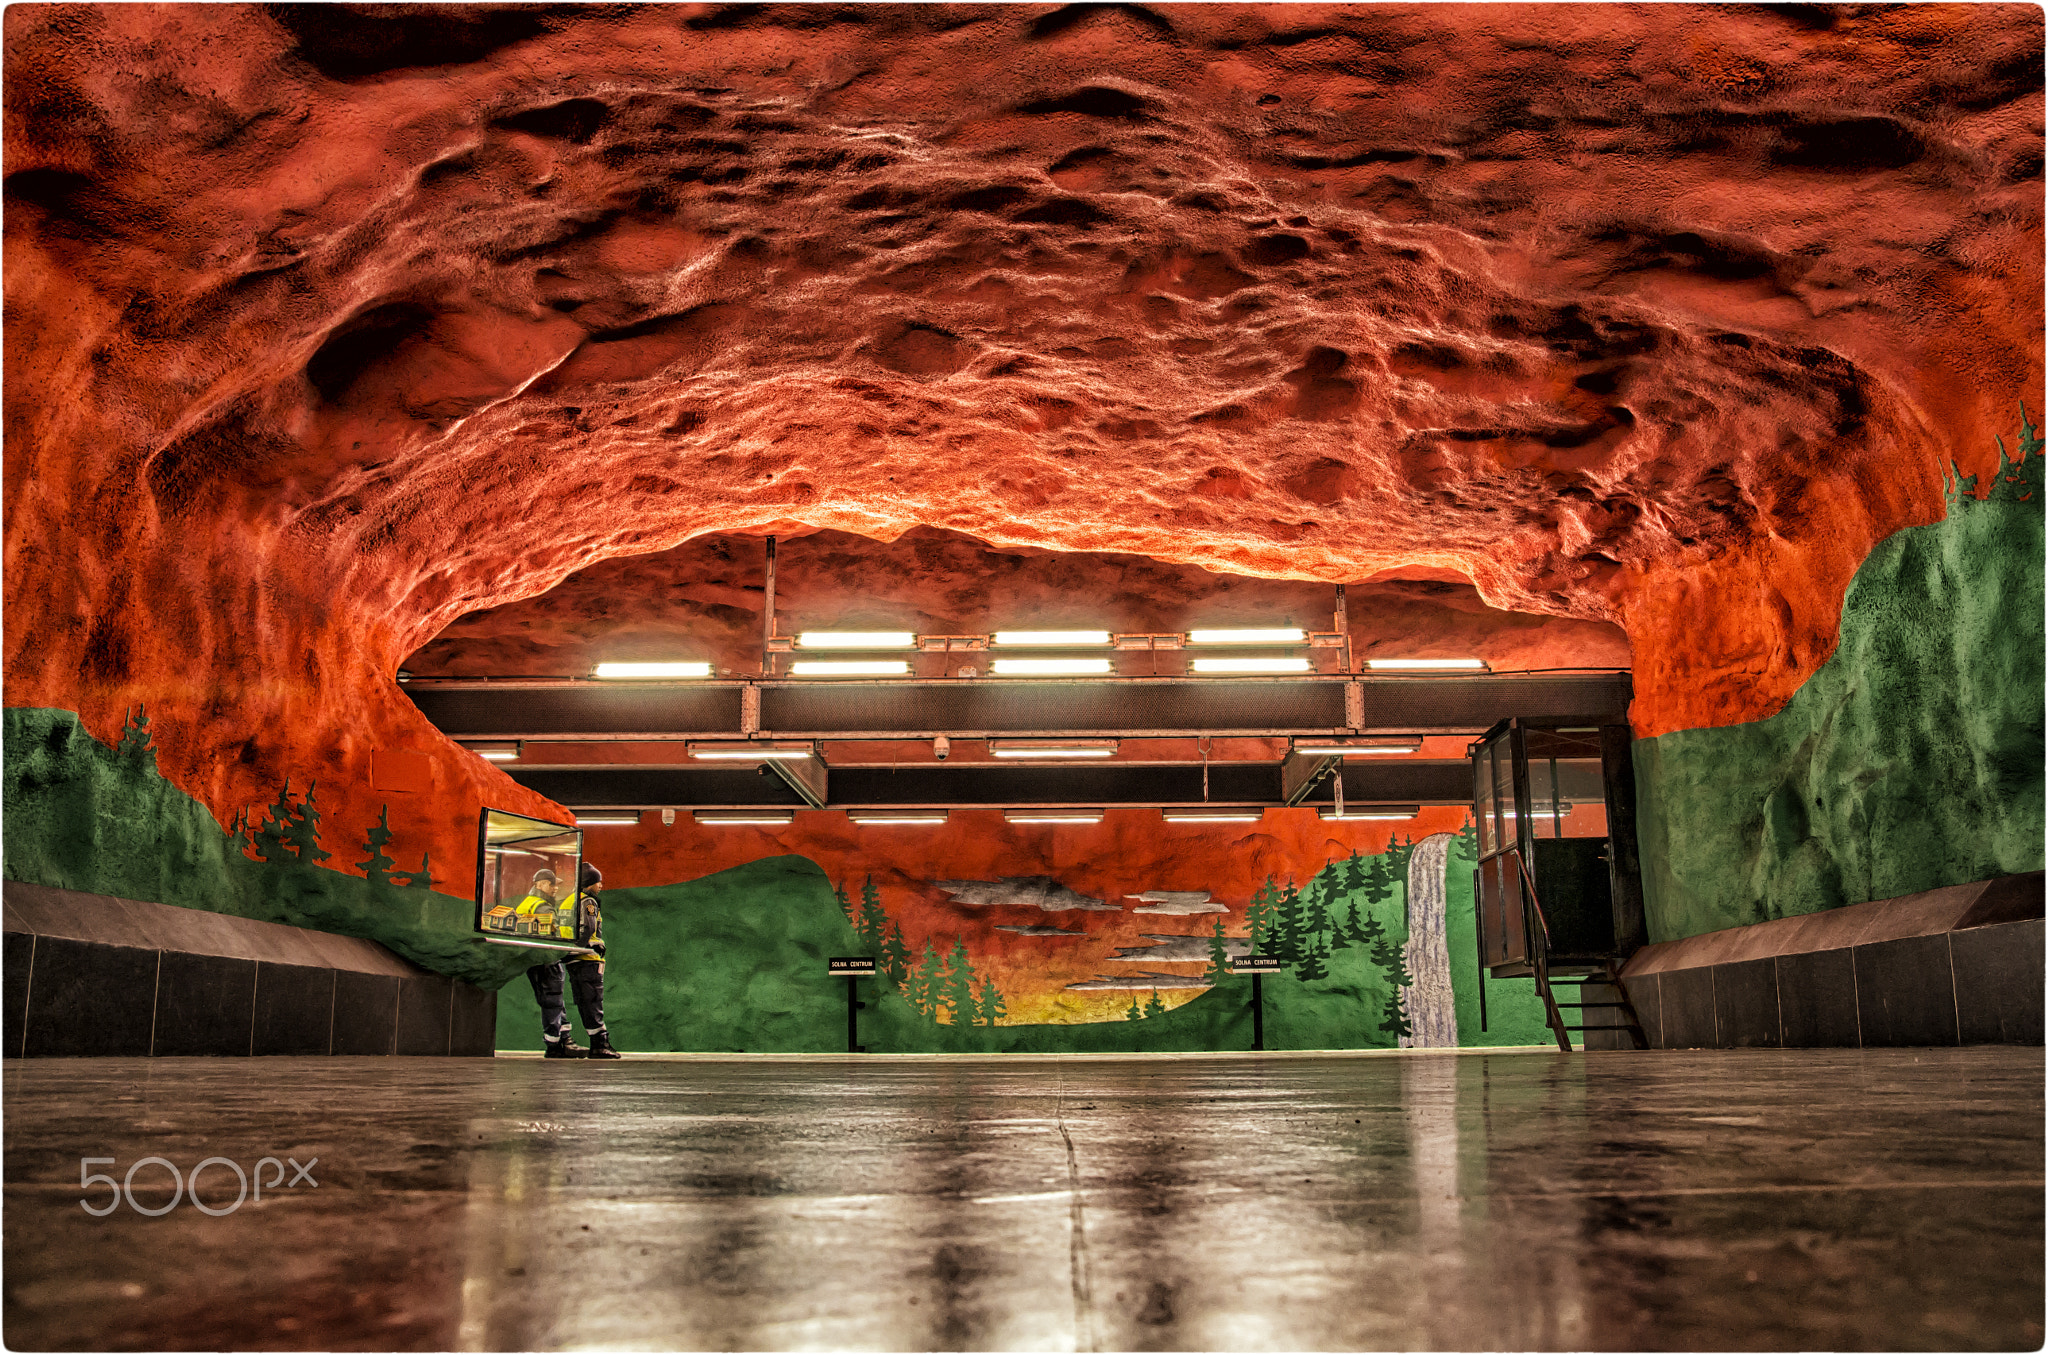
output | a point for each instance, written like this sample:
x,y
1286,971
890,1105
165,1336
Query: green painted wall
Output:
x,y
1911,760
736,962
80,815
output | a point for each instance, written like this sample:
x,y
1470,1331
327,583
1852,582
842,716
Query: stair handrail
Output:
x,y
1540,960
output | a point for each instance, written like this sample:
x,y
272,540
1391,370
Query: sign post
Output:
x,y
1256,965
852,968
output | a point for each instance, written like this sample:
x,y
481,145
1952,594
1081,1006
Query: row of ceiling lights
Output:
x,y
1029,750
873,641
785,817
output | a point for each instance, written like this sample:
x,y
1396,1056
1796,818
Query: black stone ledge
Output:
x,y
1958,965
88,974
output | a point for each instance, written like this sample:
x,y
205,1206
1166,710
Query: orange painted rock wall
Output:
x,y
327,327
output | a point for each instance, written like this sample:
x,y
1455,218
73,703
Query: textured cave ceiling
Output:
x,y
328,325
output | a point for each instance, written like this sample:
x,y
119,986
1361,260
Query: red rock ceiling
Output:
x,y
702,600
328,325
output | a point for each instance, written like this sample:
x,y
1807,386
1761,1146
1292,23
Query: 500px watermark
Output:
x,y
183,1186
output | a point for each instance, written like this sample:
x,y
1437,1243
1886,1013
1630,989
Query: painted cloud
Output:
x,y
1041,931
1176,902
1024,891
1178,948
1143,982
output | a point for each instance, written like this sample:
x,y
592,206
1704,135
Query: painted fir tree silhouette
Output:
x,y
136,746
896,956
423,878
1134,1014
989,1007
1155,1007
959,986
290,831
928,983
377,868
1258,917
1287,938
874,923
1219,957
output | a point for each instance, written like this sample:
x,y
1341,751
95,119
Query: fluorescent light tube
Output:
x,y
653,670
1371,814
1281,636
1427,665
1336,747
1249,666
606,819
856,639
1051,667
495,752
1212,815
1052,637
1053,815
851,668
780,817
897,815
1010,748
749,752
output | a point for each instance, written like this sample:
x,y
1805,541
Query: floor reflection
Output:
x,y
1816,1199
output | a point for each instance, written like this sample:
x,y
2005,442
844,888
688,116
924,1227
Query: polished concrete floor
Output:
x,y
1820,1199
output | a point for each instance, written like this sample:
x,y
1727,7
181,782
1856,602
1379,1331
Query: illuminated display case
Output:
x,y
526,878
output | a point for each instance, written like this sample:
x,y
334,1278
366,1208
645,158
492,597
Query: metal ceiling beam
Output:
x,y
1409,781
585,710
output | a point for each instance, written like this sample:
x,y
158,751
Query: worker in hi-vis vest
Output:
x,y
537,915
586,972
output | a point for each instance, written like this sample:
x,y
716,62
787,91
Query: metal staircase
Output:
x,y
1607,975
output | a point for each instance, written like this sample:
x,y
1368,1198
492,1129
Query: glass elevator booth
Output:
x,y
1555,809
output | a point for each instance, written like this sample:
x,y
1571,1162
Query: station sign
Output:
x,y
1257,964
850,966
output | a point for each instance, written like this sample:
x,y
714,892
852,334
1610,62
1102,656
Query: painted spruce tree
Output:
x,y
1134,1014
376,868
1258,917
136,746
845,905
302,834
290,831
874,923
1287,925
423,878
989,1007
1315,959
1394,961
928,983
1155,1007
896,956
1219,958
958,992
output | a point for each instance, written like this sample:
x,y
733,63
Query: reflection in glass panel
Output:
x,y
1504,793
527,876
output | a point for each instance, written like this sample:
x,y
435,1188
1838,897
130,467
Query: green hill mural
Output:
x,y
736,962
81,815
1909,761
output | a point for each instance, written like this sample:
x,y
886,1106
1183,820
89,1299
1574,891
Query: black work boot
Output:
x,y
565,1048
601,1046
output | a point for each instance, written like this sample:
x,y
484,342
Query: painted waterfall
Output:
x,y
1431,1008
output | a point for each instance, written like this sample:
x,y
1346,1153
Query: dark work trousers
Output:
x,y
547,990
587,978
